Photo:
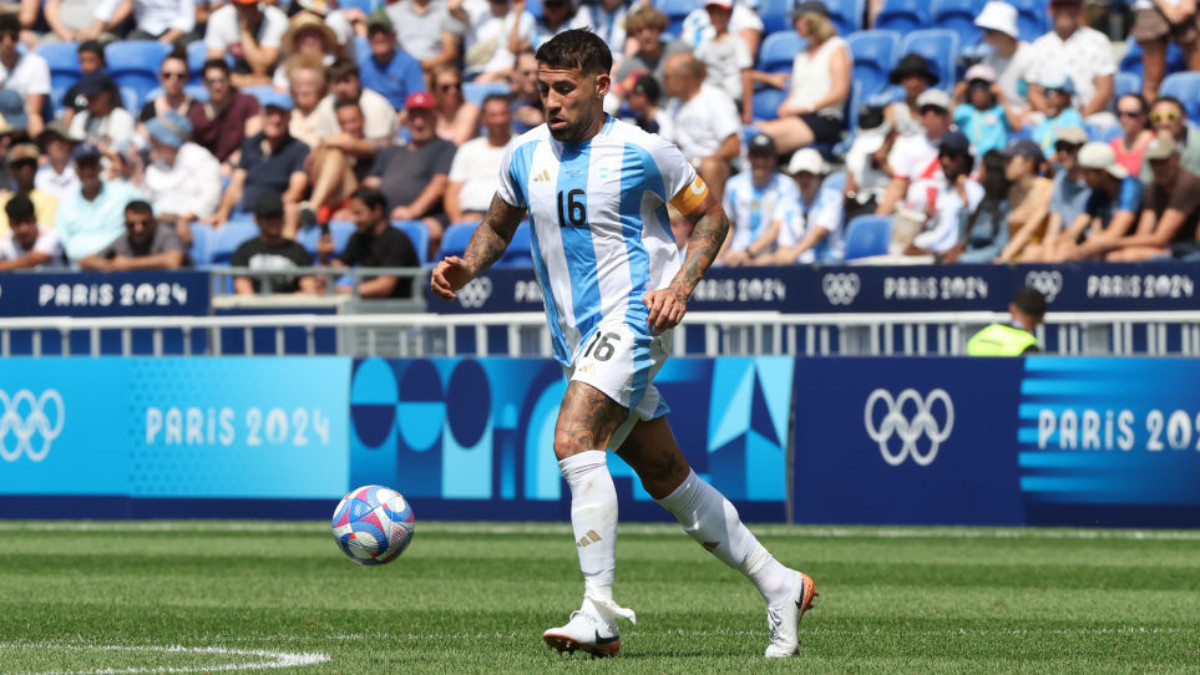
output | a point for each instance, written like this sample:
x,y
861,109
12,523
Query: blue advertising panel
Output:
x,y
473,439
176,293
906,441
172,429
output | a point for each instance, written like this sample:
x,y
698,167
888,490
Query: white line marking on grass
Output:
x,y
268,660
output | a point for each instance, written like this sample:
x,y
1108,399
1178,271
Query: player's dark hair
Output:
x,y
140,207
373,198
578,48
218,64
19,210
341,69
1030,302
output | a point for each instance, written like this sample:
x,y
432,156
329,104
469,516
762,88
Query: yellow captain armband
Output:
x,y
691,197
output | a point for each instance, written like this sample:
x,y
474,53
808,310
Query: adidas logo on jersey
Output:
x,y
543,176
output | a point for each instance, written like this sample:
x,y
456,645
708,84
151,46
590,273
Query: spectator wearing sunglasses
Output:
x,y
173,75
23,166
1057,90
1168,115
1136,133
1168,223
1068,198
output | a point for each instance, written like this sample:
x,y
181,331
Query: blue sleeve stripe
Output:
x,y
639,174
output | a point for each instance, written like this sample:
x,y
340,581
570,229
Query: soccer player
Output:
x,y
596,190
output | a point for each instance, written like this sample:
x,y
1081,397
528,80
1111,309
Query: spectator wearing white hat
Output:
x,y
1110,212
1158,23
981,111
916,157
1083,54
1171,212
1009,57
808,228
182,180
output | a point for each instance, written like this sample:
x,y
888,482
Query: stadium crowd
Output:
x,y
155,134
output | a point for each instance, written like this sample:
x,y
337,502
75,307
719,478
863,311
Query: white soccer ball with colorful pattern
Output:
x,y
373,525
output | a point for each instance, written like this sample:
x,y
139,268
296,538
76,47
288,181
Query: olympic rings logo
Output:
x,y
840,288
476,293
923,423
25,428
1048,283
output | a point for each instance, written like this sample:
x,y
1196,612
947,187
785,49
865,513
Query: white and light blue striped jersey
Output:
x,y
601,235
750,209
798,216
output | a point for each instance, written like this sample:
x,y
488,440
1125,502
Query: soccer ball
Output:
x,y
373,525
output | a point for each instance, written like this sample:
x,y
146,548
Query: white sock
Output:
x,y
712,521
594,521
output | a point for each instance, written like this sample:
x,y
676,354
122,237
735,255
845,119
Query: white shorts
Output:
x,y
622,362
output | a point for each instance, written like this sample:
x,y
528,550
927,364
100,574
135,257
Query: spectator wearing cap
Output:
x,y
1068,198
820,86
1171,212
751,200
413,177
227,118
26,74
916,157
704,121
345,23
57,175
337,166
250,31
981,112
1029,196
558,16
388,69
375,243
1155,25
23,166
494,31
182,180
527,107
271,251
726,57
145,245
308,42
167,21
644,97
427,31
91,59
104,122
172,76
472,179
1057,89
743,22
807,229
1110,212
1135,132
936,203
457,118
1009,57
1084,55
94,216
647,25
31,246
345,85
270,160
1169,115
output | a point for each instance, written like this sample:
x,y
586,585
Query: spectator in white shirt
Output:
x,y
1084,54
705,122
104,122
167,21
472,178
495,32
182,180
57,176
30,246
698,27
726,57
27,74
252,32
917,157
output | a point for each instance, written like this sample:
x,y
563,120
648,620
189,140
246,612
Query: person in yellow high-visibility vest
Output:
x,y
1014,338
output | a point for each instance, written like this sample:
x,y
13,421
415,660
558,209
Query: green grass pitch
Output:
x,y
474,598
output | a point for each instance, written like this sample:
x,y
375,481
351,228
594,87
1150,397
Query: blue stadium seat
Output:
x,y
1126,83
1186,88
202,243
197,54
309,237
535,8
1033,21
767,101
367,6
779,50
418,234
259,92
874,53
1131,62
341,231
456,238
867,236
847,15
520,250
941,47
63,59
231,235
903,16
677,11
134,64
958,16
774,15
475,92
197,92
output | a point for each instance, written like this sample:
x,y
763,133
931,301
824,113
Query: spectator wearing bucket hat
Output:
x,y
94,216
1171,211
1083,54
57,175
250,31
1009,56
26,74
915,75
182,179
751,200
808,227
104,122
343,22
308,42
22,164
1111,210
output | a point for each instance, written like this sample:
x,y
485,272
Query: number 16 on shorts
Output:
x,y
617,360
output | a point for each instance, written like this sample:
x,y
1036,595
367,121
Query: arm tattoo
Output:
x,y
493,235
708,233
